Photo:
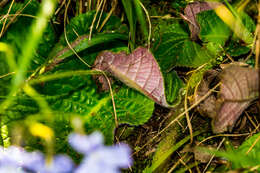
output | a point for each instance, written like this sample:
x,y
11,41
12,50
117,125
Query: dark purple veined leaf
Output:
x,y
138,70
190,12
239,87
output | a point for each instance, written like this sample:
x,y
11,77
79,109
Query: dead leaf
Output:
x,y
138,70
190,12
208,106
239,87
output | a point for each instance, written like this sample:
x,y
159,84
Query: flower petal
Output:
x,y
85,144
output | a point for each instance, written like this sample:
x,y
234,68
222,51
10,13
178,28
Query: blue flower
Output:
x,y
59,164
17,160
85,144
13,159
14,156
10,169
97,157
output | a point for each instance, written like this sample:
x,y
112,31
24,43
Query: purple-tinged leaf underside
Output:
x,y
239,86
138,70
190,12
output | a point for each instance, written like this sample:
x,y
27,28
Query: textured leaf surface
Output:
x,y
113,32
253,155
80,95
83,43
190,12
239,87
212,28
138,70
173,47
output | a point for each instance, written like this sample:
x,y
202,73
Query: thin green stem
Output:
x,y
63,75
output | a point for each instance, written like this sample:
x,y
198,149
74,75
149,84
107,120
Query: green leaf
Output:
x,y
80,95
140,17
83,43
78,35
16,34
246,156
173,47
173,85
80,25
234,47
212,28
128,6
253,146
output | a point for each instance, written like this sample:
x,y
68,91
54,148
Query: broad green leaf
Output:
x,y
251,148
173,47
80,25
173,85
83,43
212,28
80,95
235,49
78,36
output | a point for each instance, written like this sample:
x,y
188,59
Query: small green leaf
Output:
x,y
173,85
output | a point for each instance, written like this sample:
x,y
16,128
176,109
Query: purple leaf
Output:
x,y
138,70
239,87
190,13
